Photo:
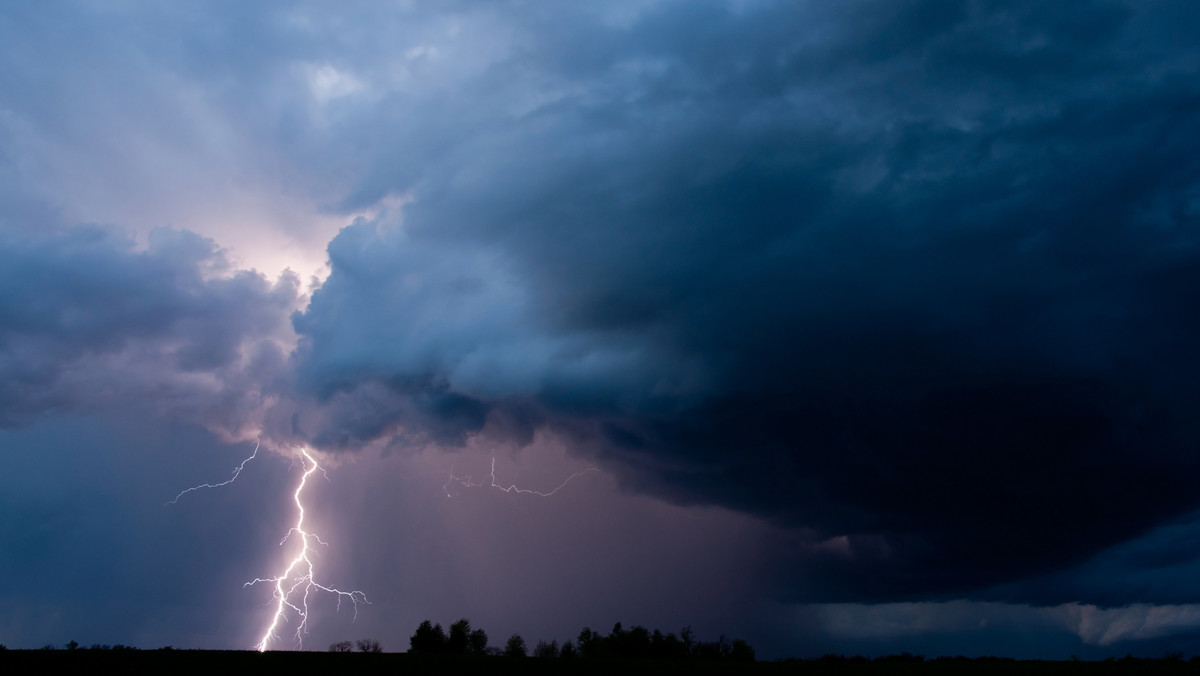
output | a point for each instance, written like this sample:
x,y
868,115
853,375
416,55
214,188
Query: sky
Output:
x,y
856,327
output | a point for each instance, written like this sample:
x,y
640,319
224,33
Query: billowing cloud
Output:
x,y
920,281
912,283
90,322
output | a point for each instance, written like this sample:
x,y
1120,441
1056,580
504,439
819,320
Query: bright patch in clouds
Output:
x,y
327,82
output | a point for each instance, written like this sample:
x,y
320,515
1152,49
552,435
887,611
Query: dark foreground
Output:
x,y
88,662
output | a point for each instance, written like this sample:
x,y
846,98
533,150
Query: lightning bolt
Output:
x,y
467,482
294,585
236,471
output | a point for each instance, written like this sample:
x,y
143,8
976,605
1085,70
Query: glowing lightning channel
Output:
x,y
511,488
300,572
296,582
236,471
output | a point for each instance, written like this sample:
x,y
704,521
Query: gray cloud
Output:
x,y
90,322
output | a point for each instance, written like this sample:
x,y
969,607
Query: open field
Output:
x,y
82,662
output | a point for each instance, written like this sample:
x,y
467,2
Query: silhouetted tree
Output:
x,y
515,647
429,638
742,651
341,647
715,650
368,645
688,638
477,642
460,636
543,649
590,643
667,647
633,644
567,651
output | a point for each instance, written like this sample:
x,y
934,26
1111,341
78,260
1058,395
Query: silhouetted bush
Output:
x,y
368,645
902,657
834,657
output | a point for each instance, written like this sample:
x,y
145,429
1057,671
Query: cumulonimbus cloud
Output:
x,y
928,298
916,282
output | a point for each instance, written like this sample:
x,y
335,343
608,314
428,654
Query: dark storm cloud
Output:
x,y
924,275
88,322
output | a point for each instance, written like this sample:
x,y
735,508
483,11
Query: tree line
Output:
x,y
636,642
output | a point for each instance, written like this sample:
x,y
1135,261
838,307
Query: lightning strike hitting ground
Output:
x,y
466,482
297,581
293,586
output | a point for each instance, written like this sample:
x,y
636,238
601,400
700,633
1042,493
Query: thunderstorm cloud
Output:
x,y
913,285
922,277
89,320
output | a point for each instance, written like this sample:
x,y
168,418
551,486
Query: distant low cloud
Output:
x,y
1097,627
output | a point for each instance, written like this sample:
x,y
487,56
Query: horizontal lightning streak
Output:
x,y
467,482
236,471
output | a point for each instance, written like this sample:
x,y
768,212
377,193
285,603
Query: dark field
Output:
x,y
84,662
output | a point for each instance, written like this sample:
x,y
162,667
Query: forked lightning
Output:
x,y
298,579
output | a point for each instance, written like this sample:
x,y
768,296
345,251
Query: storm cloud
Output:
x,y
90,322
919,277
901,295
